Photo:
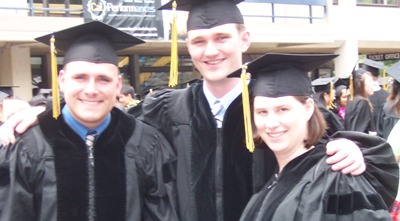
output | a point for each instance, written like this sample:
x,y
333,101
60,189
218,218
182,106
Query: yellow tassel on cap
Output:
x,y
331,95
351,87
246,111
173,74
384,83
54,80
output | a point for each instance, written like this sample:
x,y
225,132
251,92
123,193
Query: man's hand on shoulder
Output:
x,y
20,122
345,156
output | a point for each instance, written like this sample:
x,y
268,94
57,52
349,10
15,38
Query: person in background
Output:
x,y
127,98
389,115
325,97
359,110
303,186
342,96
214,169
378,98
92,161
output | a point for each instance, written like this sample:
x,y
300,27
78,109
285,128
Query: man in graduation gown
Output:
x,y
56,171
214,168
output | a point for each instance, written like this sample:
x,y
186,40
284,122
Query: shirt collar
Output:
x,y
227,99
79,128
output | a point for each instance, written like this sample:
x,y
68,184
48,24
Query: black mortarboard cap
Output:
x,y
372,66
394,71
205,14
3,95
342,81
323,84
280,75
93,42
8,89
358,73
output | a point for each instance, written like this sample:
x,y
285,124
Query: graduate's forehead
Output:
x,y
226,29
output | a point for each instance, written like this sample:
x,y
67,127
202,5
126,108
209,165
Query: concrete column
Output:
x,y
345,24
15,69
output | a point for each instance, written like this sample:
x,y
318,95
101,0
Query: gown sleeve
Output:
x,y
17,182
382,169
158,167
155,110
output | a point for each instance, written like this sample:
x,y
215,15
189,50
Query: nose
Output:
x,y
271,121
91,86
211,49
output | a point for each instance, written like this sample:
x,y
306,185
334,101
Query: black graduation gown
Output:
x,y
307,189
387,119
47,173
378,99
214,168
359,116
332,121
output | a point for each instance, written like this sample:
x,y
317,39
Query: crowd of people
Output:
x,y
181,154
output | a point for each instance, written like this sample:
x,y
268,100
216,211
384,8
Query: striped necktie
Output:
x,y
216,111
90,137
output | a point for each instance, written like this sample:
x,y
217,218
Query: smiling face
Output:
x,y
282,123
90,90
217,52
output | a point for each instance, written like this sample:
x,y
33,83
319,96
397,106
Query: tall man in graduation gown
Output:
x,y
214,169
51,174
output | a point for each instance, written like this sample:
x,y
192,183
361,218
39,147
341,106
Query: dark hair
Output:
x,y
316,125
126,89
359,87
395,96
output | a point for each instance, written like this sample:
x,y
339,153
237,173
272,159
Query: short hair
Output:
x,y
316,125
127,89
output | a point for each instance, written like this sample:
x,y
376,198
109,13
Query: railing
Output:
x,y
40,9
309,3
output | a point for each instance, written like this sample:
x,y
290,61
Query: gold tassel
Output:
x,y
331,94
246,111
54,80
173,74
351,87
384,83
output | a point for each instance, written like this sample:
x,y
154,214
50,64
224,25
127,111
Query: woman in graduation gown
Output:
x,y
359,110
303,187
390,113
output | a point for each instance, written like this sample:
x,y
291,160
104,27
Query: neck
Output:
x,y
284,158
221,88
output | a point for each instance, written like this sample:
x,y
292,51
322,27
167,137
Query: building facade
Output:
x,y
347,27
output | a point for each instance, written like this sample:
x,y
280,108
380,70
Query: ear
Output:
x,y
245,41
61,80
309,108
119,84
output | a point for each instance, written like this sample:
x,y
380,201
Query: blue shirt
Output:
x,y
81,130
